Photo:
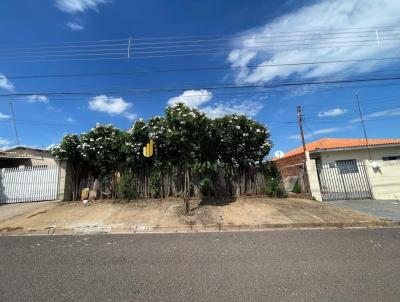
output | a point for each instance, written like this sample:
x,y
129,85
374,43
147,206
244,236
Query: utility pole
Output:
x,y
300,120
305,179
14,123
363,126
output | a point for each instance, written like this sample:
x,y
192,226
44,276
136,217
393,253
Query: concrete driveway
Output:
x,y
12,210
385,209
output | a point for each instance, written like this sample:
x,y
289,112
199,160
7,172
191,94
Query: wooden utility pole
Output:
x,y
363,125
300,120
305,180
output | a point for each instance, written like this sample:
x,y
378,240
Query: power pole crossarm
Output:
x,y
129,47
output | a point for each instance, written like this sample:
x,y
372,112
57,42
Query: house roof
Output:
x,y
341,143
25,148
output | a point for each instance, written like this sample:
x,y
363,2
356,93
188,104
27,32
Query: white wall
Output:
x,y
313,179
376,154
385,180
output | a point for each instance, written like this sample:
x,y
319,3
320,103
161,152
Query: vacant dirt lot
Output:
x,y
167,215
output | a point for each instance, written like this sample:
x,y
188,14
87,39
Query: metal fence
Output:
x,y
343,179
26,184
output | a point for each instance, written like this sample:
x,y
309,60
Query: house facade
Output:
x,y
337,169
31,174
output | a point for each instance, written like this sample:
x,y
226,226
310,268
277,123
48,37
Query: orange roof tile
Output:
x,y
337,143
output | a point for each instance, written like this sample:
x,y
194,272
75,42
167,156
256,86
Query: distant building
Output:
x,y
32,174
26,156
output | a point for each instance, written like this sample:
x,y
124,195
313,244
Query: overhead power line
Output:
x,y
209,68
230,86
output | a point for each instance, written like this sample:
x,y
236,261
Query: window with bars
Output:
x,y
347,166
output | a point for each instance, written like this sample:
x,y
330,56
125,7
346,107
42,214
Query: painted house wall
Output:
x,y
385,180
362,154
32,157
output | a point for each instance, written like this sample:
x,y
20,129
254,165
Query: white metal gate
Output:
x,y
27,184
343,179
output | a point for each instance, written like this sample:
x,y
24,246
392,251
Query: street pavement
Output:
x,y
280,265
385,209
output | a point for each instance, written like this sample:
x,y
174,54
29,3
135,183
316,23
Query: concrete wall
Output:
x,y
313,179
385,180
64,181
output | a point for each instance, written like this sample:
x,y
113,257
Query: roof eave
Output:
x,y
355,148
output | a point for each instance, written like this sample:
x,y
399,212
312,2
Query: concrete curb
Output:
x,y
52,230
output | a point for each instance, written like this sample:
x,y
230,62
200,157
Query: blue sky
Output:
x,y
248,34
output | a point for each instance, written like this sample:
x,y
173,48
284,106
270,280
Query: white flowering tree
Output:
x,y
70,151
242,142
187,131
185,139
103,149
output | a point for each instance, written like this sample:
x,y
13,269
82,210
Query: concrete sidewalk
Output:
x,y
385,209
167,216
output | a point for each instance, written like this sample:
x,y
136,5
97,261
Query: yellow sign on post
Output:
x,y
148,150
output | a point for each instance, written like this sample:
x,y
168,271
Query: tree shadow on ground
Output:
x,y
214,201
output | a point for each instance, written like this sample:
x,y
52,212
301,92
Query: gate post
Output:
x,y
313,179
369,173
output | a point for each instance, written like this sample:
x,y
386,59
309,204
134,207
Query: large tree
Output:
x,y
102,149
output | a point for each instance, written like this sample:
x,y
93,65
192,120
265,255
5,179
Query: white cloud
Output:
x,y
130,116
78,6
74,26
192,98
4,117
197,99
262,46
70,120
111,105
315,133
55,109
249,108
6,83
332,112
383,113
4,141
37,98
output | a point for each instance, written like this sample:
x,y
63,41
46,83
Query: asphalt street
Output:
x,y
280,265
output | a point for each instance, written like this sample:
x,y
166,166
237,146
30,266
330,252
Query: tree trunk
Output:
x,y
186,189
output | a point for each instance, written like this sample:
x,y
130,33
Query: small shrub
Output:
x,y
274,188
127,188
296,188
206,186
155,182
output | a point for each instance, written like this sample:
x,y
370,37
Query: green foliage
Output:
x,y
274,188
241,141
206,186
69,149
296,188
102,149
127,188
184,138
155,180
